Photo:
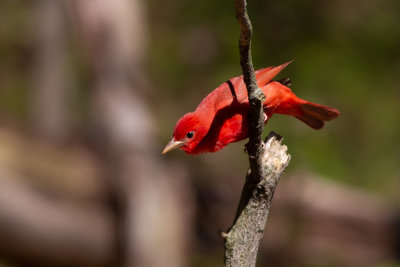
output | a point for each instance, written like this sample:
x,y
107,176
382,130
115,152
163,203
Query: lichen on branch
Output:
x,y
243,238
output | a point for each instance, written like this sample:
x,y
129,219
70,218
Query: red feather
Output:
x,y
221,117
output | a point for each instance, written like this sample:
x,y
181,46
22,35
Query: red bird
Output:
x,y
221,118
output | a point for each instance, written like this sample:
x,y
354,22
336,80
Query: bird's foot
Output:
x,y
246,150
285,81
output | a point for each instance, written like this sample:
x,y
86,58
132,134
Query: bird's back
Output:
x,y
233,91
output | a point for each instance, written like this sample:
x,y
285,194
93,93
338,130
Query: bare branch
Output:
x,y
256,96
267,163
243,239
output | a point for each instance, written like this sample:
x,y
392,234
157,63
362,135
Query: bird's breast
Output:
x,y
229,125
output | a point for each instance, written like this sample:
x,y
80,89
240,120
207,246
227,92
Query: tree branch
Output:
x,y
267,162
256,96
243,238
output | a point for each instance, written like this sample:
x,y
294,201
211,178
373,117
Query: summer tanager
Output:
x,y
221,118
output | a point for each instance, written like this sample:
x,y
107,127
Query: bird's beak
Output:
x,y
172,145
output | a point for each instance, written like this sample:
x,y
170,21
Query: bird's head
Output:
x,y
188,133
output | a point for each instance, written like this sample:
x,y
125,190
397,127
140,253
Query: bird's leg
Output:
x,y
245,150
285,81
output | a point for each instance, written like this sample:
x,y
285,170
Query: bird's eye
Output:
x,y
189,134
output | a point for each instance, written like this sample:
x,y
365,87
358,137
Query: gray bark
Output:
x,y
267,162
243,239
256,96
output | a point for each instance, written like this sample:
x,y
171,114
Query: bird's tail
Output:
x,y
315,115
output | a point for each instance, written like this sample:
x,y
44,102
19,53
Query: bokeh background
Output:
x,y
90,92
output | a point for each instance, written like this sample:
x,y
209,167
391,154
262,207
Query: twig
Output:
x,y
256,96
267,162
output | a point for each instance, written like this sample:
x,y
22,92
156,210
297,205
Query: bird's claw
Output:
x,y
285,81
246,150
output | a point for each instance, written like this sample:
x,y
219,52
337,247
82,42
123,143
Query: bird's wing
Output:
x,y
263,77
234,90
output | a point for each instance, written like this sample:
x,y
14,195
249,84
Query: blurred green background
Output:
x,y
346,56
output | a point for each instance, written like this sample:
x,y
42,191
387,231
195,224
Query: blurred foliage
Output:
x,y
389,264
15,57
346,56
